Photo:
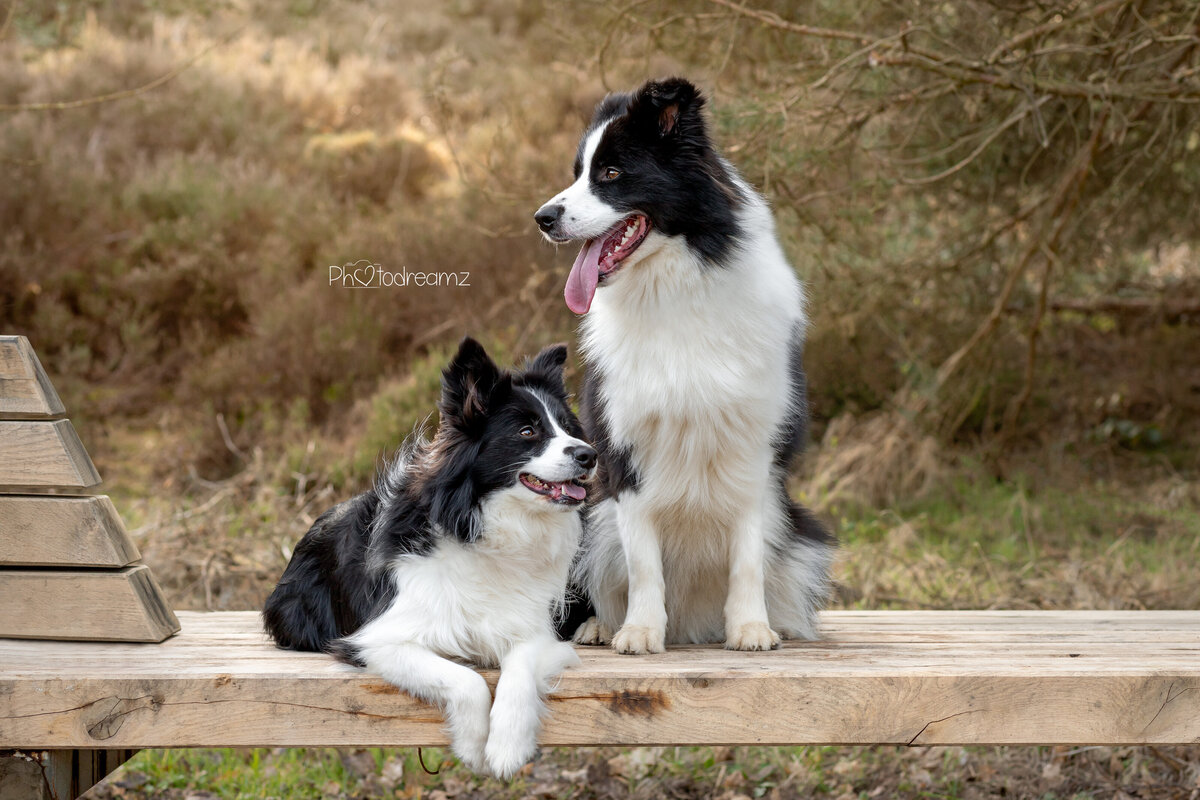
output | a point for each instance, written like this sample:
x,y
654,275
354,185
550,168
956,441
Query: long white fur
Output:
x,y
486,603
694,368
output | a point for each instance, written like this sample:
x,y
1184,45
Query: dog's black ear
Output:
x,y
671,106
468,383
547,367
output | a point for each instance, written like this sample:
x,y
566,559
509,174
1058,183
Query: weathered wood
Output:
x,y
878,678
63,531
56,774
21,778
123,605
44,455
25,390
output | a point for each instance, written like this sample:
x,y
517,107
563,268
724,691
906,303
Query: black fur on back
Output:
x,y
339,576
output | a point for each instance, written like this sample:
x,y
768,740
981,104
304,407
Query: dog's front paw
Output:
x,y
469,724
507,754
593,632
513,739
751,636
639,639
471,748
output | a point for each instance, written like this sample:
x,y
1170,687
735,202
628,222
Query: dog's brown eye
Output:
x,y
611,173
528,432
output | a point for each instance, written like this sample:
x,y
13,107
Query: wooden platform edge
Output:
x,y
44,531
44,455
225,686
125,605
25,389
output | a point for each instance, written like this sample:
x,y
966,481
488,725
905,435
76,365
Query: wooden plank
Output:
x,y
44,455
221,683
25,390
123,605
63,531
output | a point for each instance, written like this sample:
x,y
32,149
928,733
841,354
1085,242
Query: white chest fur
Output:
x,y
476,601
693,366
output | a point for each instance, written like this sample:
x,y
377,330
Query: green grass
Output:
x,y
979,543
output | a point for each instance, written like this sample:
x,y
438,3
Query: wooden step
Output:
x,y
104,605
25,390
886,677
44,454
63,531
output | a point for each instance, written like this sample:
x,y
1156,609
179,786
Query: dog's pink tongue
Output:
x,y
574,490
585,274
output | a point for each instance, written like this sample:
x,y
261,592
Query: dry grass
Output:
x,y
168,254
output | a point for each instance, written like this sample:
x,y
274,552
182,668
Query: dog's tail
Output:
x,y
299,615
319,599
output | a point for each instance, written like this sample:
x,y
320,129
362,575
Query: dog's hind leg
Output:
x,y
526,675
601,572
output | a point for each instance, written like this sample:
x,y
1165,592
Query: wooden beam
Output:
x,y
44,455
25,390
56,774
109,605
63,531
902,678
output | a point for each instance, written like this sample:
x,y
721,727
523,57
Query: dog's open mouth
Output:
x,y
565,492
600,258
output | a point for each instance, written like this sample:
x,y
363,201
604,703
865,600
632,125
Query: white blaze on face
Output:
x,y
586,216
555,463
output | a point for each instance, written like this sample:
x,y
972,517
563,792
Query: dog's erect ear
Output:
x,y
671,106
547,367
467,384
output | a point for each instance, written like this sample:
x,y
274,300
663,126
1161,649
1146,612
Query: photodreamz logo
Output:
x,y
363,274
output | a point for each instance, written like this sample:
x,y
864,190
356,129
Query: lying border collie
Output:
x,y
459,554
695,393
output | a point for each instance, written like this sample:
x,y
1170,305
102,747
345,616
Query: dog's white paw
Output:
x,y
507,754
639,639
513,739
593,632
751,636
471,748
469,726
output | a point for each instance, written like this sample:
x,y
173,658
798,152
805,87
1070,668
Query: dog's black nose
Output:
x,y
584,456
548,216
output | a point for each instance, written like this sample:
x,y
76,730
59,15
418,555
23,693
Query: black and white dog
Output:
x,y
460,554
694,391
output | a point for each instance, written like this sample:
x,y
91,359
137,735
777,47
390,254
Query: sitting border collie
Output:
x,y
460,553
694,391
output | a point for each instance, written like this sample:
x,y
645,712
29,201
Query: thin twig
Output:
x,y
1059,212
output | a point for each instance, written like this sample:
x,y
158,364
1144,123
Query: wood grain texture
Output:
x,y
63,531
25,390
44,455
123,605
878,678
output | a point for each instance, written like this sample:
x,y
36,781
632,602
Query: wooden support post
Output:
x,y
55,774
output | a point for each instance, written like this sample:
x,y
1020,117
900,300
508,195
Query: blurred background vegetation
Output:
x,y
994,205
